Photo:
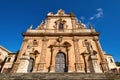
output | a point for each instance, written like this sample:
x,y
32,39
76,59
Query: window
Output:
x,y
111,61
86,43
35,43
60,26
8,59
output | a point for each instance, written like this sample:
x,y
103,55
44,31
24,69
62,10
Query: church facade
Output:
x,y
61,43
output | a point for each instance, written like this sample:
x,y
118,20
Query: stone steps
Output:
x,y
59,76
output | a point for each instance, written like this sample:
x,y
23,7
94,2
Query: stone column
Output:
x,y
78,62
42,64
69,57
103,63
52,68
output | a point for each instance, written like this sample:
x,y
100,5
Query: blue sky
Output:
x,y
17,15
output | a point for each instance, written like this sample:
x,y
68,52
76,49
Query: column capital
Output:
x,y
75,39
95,39
45,39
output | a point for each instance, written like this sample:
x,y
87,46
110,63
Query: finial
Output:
x,y
79,21
71,14
90,26
30,28
43,22
60,12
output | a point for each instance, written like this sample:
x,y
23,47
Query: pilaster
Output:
x,y
22,50
42,64
78,62
52,68
15,67
103,63
69,59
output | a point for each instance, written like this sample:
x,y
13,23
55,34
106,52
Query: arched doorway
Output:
x,y
60,63
30,66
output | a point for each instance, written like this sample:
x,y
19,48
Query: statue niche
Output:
x,y
60,24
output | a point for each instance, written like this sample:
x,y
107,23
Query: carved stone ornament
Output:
x,y
58,22
59,39
60,12
81,25
41,26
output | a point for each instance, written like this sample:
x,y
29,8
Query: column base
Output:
x,y
79,67
104,66
23,66
42,67
94,66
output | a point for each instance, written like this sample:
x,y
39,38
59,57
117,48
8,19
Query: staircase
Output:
x,y
60,76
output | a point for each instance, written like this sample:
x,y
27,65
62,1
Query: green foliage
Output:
x,y
117,63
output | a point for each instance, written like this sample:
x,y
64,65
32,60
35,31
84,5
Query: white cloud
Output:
x,y
91,18
100,9
82,18
99,14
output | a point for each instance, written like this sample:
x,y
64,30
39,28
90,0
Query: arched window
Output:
x,y
60,26
31,64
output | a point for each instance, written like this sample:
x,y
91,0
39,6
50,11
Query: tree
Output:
x,y
117,63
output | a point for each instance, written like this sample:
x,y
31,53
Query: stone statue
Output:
x,y
89,47
27,52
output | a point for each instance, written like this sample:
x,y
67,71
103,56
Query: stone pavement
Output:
x,y
60,76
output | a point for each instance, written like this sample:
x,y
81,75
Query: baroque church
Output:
x,y
61,43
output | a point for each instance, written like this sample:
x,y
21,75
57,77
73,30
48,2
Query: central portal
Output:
x,y
60,64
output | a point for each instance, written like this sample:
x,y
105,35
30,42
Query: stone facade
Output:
x,y
3,56
111,62
61,43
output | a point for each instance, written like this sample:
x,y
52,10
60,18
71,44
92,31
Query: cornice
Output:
x,y
5,49
61,34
